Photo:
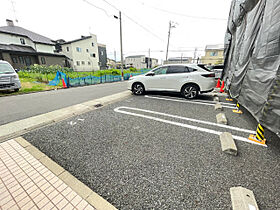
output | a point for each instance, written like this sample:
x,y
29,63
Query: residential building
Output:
x,y
140,62
214,54
83,52
111,64
178,60
21,48
102,56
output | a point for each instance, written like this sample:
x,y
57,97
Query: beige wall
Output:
x,y
209,59
15,39
83,56
45,48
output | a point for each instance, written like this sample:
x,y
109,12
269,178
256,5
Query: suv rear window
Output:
x,y
203,67
6,68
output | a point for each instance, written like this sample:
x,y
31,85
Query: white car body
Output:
x,y
174,82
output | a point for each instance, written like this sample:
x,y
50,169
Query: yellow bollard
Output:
x,y
259,136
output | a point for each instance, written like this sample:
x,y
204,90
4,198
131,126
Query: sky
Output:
x,y
145,23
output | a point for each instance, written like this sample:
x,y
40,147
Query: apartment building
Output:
x,y
83,52
214,54
140,62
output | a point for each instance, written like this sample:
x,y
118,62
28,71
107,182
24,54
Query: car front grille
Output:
x,y
7,85
5,79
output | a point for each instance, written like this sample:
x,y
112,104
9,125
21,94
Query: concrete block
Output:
x,y
35,152
99,203
243,199
76,185
52,166
216,99
22,142
221,118
228,144
218,106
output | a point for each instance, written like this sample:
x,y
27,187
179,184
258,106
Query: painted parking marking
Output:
x,y
240,138
185,101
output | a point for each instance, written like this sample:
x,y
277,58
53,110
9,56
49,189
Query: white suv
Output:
x,y
188,79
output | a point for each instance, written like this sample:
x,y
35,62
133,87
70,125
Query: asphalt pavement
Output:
x,y
146,153
18,107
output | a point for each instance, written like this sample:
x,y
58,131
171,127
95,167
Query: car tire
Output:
x,y
190,91
16,90
138,89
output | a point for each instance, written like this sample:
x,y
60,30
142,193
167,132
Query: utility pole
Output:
x,y
149,64
120,18
169,30
115,55
181,57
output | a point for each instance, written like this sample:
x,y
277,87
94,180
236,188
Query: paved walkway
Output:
x,y
25,183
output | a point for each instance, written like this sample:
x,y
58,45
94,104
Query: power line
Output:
x,y
97,7
181,14
134,21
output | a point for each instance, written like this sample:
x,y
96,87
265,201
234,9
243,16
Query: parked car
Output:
x,y
217,69
9,79
188,79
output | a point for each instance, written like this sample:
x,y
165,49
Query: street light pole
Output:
x,y
120,17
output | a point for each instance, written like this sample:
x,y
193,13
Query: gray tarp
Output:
x,y
252,59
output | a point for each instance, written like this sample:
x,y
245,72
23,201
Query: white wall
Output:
x,y
15,39
137,62
83,55
45,48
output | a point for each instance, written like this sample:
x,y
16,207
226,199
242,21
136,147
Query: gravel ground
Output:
x,y
137,163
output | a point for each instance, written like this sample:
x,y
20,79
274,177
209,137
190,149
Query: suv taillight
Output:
x,y
208,75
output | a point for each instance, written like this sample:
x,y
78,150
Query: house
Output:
x,y
102,56
140,62
21,48
178,60
83,53
111,64
214,54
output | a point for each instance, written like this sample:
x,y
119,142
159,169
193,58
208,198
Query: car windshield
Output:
x,y
6,68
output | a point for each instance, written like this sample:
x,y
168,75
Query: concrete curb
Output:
x,y
17,128
221,118
243,199
80,188
228,144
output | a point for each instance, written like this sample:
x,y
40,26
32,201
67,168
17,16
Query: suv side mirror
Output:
x,y
150,74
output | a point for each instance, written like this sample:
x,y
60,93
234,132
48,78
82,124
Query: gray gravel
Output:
x,y
137,163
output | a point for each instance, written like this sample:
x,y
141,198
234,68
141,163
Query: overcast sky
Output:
x,y
69,20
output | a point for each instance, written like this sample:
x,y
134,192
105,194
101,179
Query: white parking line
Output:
x,y
183,124
185,101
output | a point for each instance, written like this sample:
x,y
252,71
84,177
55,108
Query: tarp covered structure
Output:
x,y
252,59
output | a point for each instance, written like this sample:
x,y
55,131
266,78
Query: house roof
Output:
x,y
215,47
76,40
25,49
16,30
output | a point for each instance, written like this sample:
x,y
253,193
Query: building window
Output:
x,y
79,49
14,59
93,55
87,50
83,63
67,49
78,63
22,41
213,53
102,53
92,44
88,63
43,60
21,60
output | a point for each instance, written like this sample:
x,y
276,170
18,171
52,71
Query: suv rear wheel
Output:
x,y
190,91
